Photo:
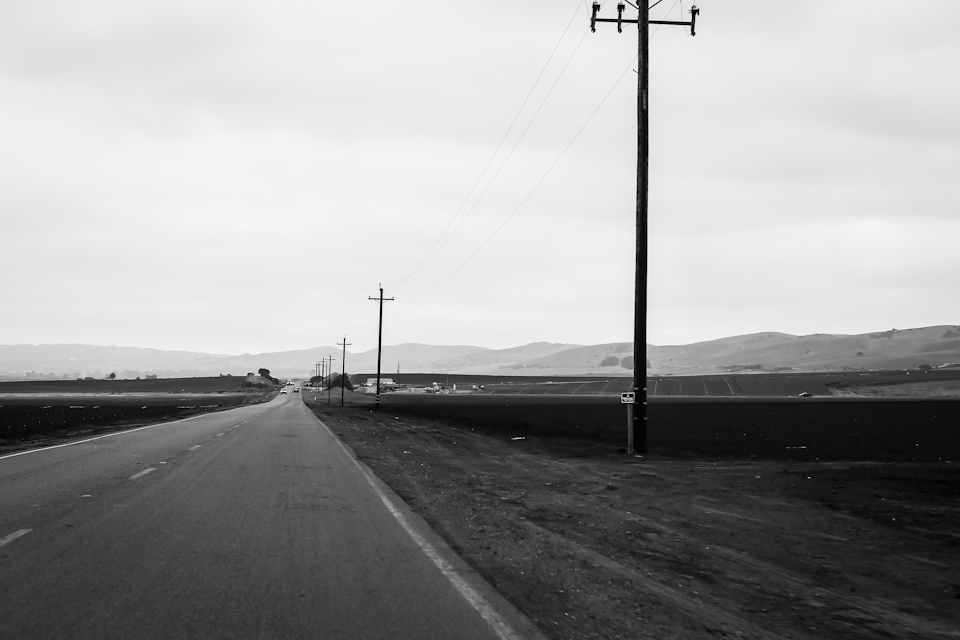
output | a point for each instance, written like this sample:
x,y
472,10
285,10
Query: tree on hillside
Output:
x,y
112,376
610,361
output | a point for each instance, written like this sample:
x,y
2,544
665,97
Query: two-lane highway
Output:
x,y
250,523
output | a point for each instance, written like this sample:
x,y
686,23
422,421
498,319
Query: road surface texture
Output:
x,y
250,523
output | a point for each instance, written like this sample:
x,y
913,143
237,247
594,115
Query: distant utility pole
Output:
x,y
329,373
343,362
381,300
643,23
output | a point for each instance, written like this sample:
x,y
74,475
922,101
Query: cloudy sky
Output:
x,y
239,176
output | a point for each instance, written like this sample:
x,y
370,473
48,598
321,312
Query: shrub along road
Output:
x,y
590,543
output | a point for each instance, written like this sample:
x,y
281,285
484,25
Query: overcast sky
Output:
x,y
239,176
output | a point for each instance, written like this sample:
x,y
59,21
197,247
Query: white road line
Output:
x,y
477,601
109,435
13,536
194,447
219,434
142,473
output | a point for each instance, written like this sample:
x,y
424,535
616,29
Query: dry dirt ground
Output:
x,y
591,543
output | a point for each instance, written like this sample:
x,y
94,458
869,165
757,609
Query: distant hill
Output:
x,y
891,349
770,351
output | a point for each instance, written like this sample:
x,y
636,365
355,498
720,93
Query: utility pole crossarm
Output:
x,y
620,20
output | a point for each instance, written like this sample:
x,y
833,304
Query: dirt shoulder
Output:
x,y
590,543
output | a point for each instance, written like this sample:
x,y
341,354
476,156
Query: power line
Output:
x,y
542,178
428,256
514,148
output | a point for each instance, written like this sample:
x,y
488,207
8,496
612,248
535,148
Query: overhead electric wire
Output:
x,y
426,258
542,178
510,154
665,15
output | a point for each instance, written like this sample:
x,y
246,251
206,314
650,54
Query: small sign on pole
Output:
x,y
629,398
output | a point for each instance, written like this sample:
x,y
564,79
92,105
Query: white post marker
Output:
x,y
629,398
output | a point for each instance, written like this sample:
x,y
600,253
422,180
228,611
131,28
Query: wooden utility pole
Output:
x,y
381,300
643,23
343,362
329,373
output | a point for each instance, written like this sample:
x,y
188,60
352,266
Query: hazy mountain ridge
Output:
x,y
767,351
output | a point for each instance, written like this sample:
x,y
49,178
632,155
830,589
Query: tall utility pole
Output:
x,y
643,23
343,362
381,300
329,373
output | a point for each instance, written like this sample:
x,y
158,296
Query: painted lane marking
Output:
x,y
194,447
477,601
219,434
142,473
13,536
109,435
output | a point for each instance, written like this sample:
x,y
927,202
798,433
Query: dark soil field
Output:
x,y
41,413
156,385
881,429
688,542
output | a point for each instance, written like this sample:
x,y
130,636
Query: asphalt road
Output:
x,y
250,523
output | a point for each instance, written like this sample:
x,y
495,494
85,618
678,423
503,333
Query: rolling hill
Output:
x,y
769,351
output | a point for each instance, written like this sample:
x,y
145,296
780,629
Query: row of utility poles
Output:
x,y
322,370
637,419
324,367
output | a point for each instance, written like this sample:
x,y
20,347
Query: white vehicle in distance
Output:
x,y
283,392
296,389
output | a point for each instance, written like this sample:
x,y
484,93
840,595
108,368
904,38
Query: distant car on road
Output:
x,y
805,394
283,392
296,389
